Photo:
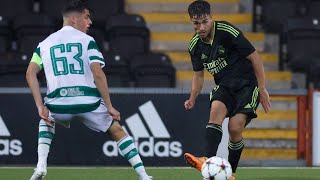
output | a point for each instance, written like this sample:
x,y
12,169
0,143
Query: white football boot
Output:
x,y
40,172
146,177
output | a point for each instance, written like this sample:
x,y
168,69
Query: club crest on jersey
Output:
x,y
63,92
221,50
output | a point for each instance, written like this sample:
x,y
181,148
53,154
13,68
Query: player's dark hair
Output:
x,y
75,6
199,8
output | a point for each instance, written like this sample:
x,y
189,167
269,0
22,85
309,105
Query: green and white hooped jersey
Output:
x,y
66,56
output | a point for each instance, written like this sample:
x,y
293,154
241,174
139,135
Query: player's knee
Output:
x,y
116,131
235,131
216,117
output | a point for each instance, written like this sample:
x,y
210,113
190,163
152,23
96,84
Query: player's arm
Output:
x,y
198,76
260,75
32,79
102,85
246,49
258,69
96,64
197,83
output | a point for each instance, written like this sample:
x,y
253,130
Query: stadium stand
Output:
x,y
30,30
102,10
16,8
5,35
99,36
153,70
270,15
302,36
53,10
13,69
313,8
117,70
127,35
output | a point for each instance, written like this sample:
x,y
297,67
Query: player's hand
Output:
x,y
265,100
44,114
114,113
188,104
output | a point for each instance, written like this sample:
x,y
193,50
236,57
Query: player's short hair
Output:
x,y
75,6
199,8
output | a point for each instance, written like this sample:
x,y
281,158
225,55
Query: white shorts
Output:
x,y
98,120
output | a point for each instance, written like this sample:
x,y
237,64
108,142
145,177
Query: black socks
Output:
x,y
213,139
235,150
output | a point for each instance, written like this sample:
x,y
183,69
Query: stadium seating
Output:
x,y
15,8
313,8
30,30
52,9
9,11
5,34
302,39
13,67
272,14
117,70
127,35
98,35
101,9
153,70
314,75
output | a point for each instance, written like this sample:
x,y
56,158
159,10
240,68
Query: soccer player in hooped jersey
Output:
x,y
221,48
76,86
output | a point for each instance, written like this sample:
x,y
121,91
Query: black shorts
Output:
x,y
239,96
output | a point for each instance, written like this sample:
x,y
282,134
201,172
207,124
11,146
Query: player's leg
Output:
x,y
247,99
218,113
101,120
236,145
219,99
221,104
45,136
128,149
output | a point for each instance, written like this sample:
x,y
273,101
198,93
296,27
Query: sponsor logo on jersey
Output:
x,y
203,56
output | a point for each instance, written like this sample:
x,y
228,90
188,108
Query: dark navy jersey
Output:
x,y
225,58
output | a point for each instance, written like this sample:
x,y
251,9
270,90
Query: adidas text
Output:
x,y
8,146
148,148
149,144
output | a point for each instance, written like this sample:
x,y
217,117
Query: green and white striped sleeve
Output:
x,y
94,54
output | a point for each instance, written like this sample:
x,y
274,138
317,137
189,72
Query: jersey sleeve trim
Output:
x,y
96,58
193,42
93,45
36,58
228,28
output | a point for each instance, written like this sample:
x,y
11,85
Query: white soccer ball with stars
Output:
x,y
216,168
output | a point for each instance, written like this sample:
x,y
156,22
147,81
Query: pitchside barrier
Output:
x,y
156,119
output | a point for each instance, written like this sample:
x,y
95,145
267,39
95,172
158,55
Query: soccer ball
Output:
x,y
216,168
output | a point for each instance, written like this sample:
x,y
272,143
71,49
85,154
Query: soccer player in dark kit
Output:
x,y
221,48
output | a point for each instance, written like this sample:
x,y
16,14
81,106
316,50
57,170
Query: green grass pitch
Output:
x,y
99,173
